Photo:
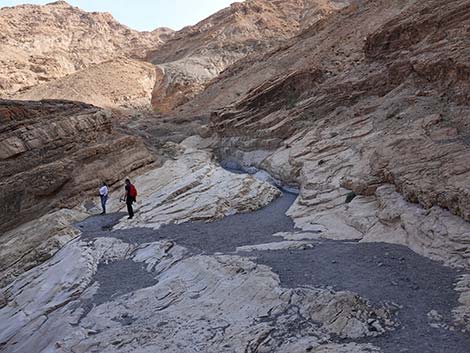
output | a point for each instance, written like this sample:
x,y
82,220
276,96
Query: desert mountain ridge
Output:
x,y
39,44
373,101
191,58
197,54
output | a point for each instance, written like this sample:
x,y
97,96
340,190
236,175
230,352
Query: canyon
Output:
x,y
302,169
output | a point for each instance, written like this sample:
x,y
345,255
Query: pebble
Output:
x,y
3,299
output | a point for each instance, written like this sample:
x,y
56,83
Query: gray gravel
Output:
x,y
383,273
380,272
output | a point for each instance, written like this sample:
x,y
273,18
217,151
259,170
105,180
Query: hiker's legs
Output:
x,y
104,199
130,210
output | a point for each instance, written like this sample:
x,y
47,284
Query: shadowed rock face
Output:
x,y
197,54
374,96
53,153
42,43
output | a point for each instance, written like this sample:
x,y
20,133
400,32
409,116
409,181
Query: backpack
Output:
x,y
132,191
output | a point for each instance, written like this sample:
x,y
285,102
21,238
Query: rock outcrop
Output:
x,y
35,242
197,54
54,153
462,313
191,187
41,43
367,112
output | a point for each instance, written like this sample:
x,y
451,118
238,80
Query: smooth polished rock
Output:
x,y
194,188
282,245
35,242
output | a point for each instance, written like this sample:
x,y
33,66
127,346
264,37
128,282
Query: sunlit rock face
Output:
x,y
195,188
39,44
124,84
34,242
367,113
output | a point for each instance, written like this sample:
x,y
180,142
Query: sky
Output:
x,y
145,15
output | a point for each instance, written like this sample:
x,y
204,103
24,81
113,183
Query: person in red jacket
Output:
x,y
130,197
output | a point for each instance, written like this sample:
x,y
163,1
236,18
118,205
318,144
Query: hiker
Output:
x,y
104,190
130,197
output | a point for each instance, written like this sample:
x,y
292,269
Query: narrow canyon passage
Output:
x,y
419,291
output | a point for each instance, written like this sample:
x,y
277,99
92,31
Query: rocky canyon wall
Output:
x,y
54,153
368,112
197,54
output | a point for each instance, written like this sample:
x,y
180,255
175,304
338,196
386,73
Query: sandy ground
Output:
x,y
383,273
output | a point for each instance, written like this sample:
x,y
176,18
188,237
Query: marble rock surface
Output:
x,y
196,303
194,188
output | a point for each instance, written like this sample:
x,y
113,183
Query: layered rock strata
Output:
x,y
35,242
122,83
55,153
224,303
367,112
191,187
194,188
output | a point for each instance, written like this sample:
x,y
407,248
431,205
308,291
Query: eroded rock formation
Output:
x,y
365,111
122,83
194,188
35,242
223,303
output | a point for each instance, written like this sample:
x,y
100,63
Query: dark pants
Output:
x,y
130,210
104,199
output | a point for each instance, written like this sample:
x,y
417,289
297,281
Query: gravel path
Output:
x,y
379,272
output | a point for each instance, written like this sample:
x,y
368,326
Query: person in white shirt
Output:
x,y
104,196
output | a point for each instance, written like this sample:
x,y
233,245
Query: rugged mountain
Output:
x,y
42,43
367,111
197,54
